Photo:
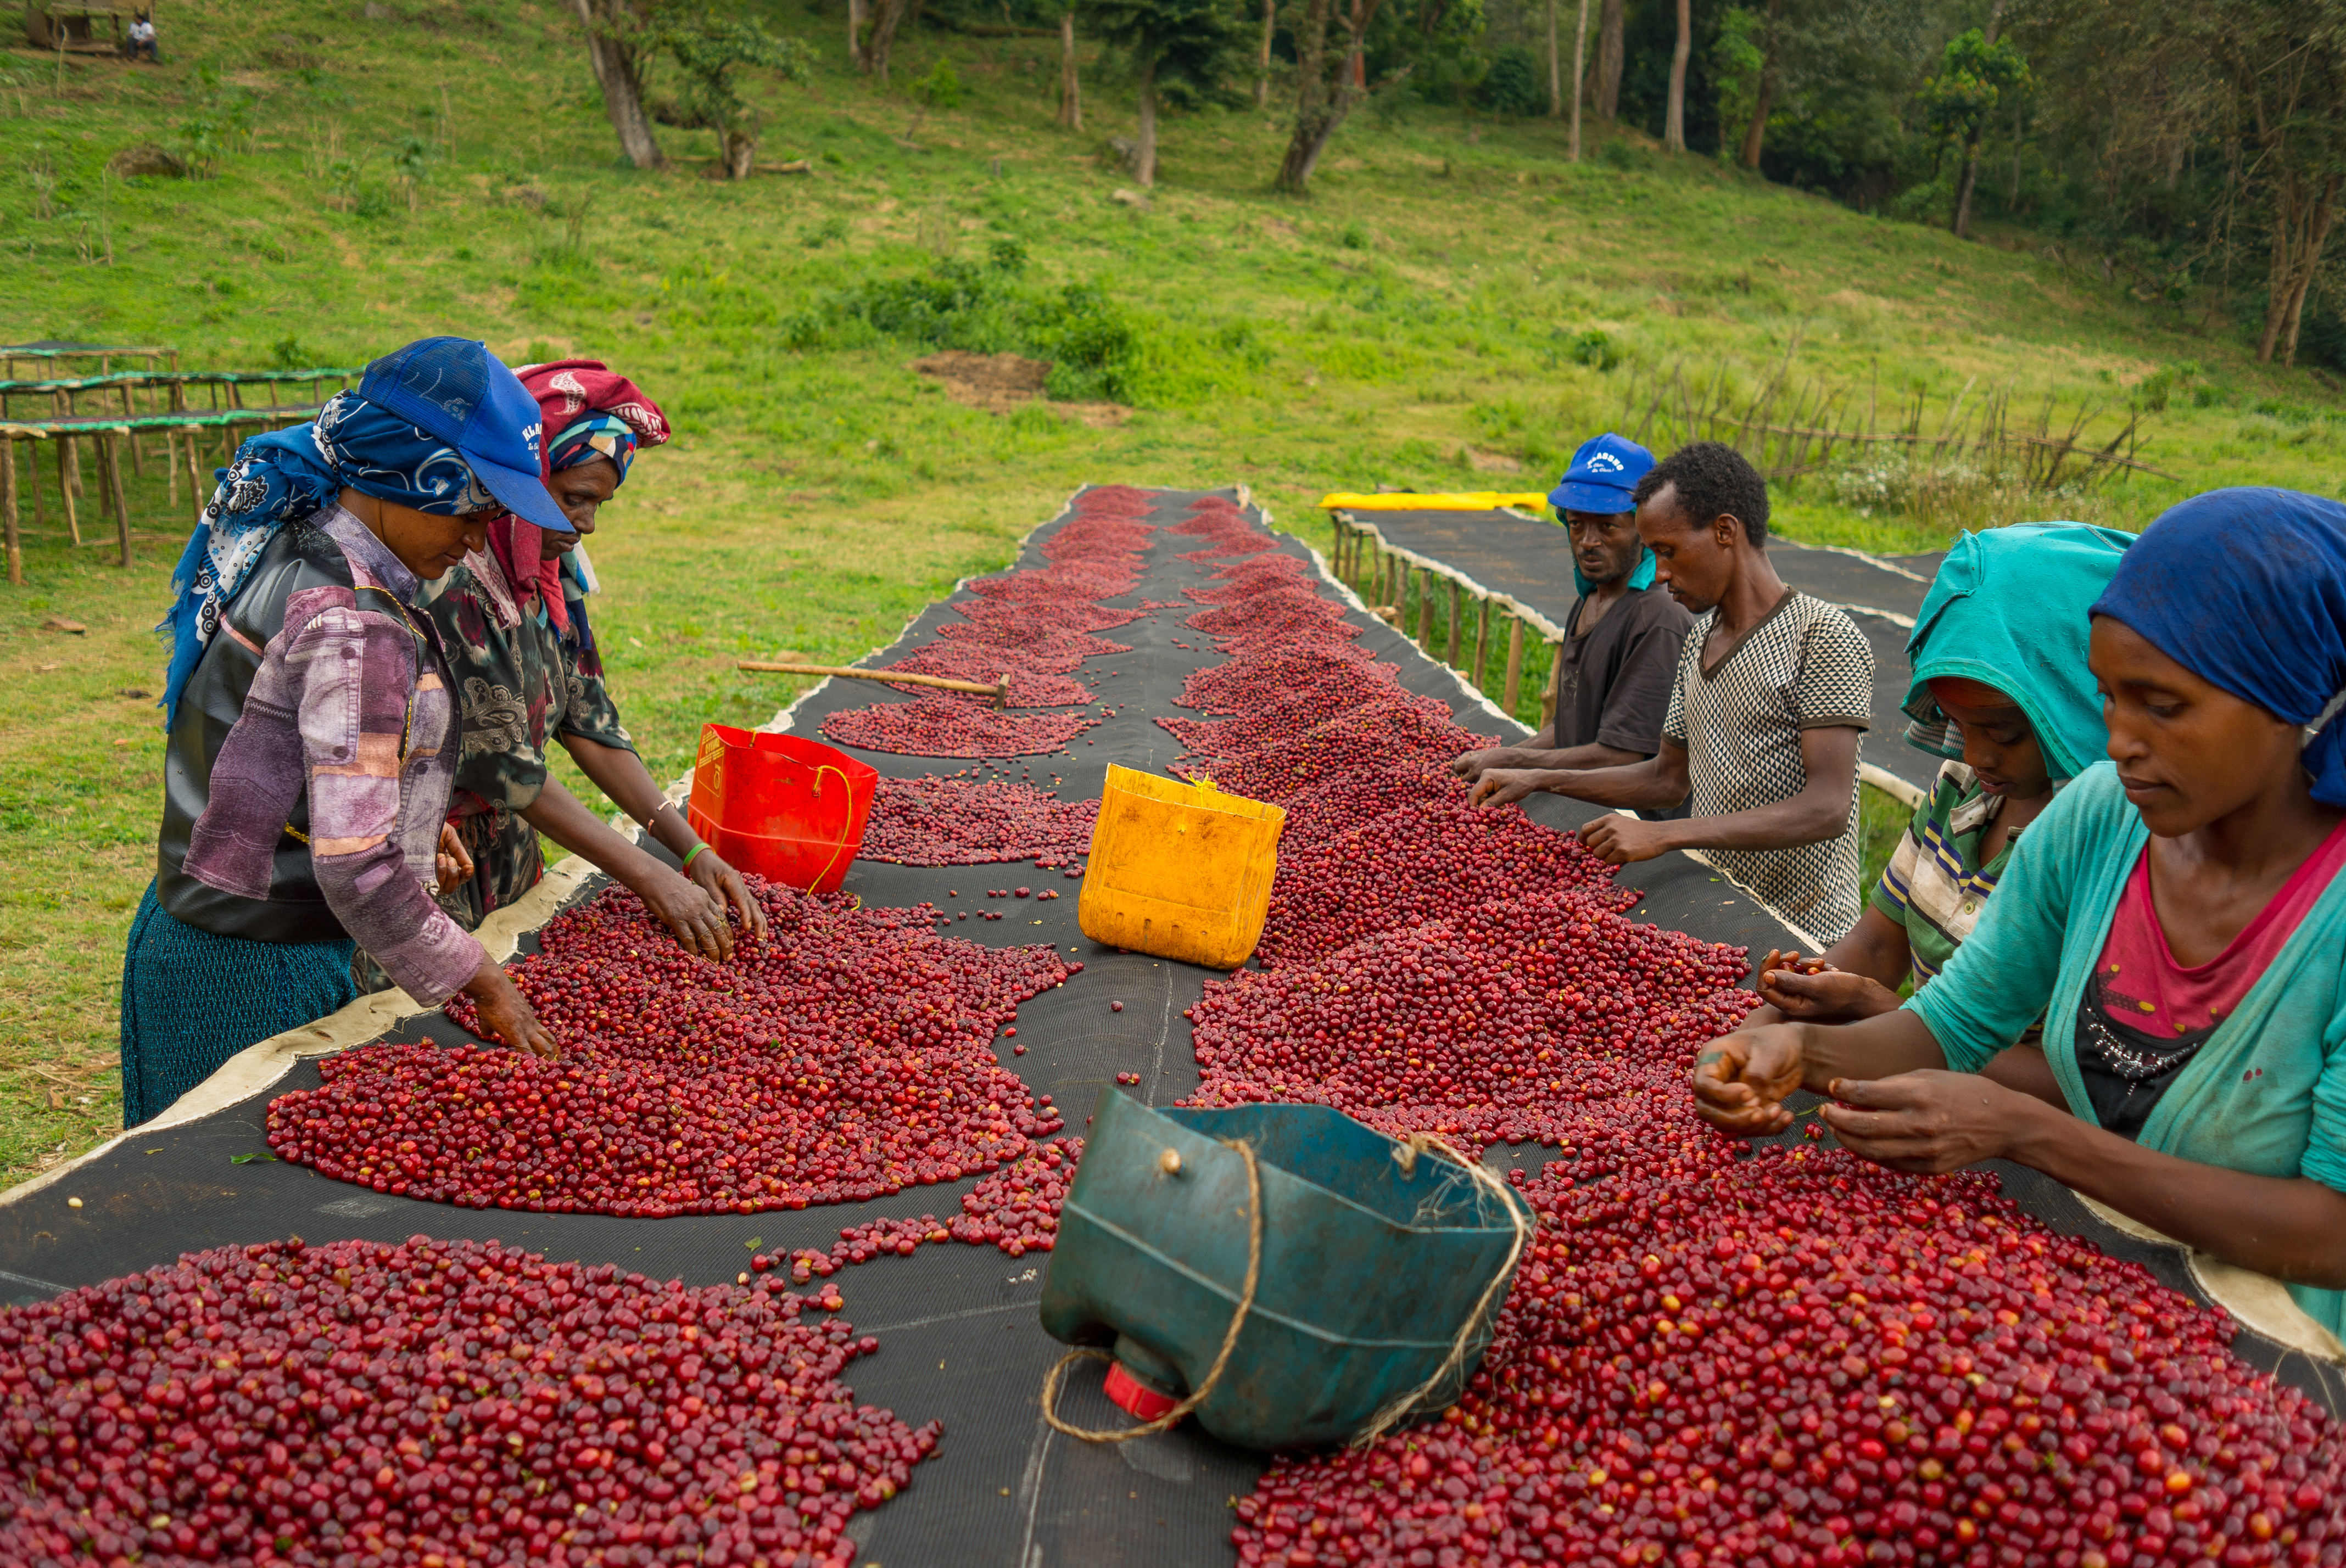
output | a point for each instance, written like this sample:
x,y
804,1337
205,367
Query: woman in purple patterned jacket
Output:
x,y
313,732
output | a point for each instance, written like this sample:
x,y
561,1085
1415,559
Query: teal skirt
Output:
x,y
192,1000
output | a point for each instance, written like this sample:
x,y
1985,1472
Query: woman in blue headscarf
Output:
x,y
313,732
1999,646
2177,918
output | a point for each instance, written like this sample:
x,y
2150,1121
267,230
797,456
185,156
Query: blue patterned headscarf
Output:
x,y
284,477
599,435
2246,588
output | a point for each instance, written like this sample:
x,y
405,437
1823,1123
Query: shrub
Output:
x,y
1512,84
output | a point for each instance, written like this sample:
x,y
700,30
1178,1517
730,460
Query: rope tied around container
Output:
x,y
1222,1360
1406,1157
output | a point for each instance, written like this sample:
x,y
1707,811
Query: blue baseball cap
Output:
x,y
1603,473
454,389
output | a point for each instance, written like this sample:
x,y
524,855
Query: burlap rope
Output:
x,y
1229,1337
1417,1144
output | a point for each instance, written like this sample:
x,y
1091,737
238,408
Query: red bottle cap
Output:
x,y
1135,1398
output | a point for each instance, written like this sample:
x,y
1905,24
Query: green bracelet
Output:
x,y
692,851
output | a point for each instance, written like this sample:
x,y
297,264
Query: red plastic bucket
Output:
x,y
790,809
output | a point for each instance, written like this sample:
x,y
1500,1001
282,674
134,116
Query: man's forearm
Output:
x,y
1594,756
621,775
565,818
1805,818
1640,786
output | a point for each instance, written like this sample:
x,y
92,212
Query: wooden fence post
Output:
x,y
1547,699
196,476
8,510
65,456
1514,665
1424,607
1482,639
109,449
1457,608
130,409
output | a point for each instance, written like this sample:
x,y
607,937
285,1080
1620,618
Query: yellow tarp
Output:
x,y
1477,501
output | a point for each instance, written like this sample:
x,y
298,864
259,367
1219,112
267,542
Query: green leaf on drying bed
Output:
x,y
248,1159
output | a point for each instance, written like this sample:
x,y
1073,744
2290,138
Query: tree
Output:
x,y
1189,43
2286,67
708,47
1769,42
1555,67
1674,122
882,46
1977,73
1579,54
1071,87
1262,61
616,47
1611,57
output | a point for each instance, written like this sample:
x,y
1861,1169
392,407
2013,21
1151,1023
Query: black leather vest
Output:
x,y
295,910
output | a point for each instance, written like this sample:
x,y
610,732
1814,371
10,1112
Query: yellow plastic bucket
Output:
x,y
1179,871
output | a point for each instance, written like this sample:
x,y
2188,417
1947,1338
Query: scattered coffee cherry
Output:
x,y
934,822
1116,1007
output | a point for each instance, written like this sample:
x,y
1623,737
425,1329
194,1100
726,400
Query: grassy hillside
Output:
x,y
1441,314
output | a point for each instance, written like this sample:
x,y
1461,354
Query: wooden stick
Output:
x,y
999,691
1457,606
1482,641
8,510
111,449
1514,665
1547,699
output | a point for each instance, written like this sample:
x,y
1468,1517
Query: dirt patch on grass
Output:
x,y
1004,383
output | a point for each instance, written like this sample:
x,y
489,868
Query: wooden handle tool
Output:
x,y
999,691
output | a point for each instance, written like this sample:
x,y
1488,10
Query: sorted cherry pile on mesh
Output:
x,y
937,821
428,1404
847,1057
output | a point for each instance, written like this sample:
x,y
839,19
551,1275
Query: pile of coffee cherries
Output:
x,y
428,1404
935,821
848,1056
942,724
1803,1358
1034,628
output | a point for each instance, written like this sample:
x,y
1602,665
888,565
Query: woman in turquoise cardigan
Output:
x,y
2176,915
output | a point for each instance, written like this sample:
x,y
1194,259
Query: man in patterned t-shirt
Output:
x,y
1772,690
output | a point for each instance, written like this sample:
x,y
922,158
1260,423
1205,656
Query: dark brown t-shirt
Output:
x,y
1613,683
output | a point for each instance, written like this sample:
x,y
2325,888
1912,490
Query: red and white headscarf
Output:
x,y
572,393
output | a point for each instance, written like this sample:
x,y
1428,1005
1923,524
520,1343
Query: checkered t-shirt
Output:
x,y
1804,667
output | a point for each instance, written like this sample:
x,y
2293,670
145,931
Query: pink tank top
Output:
x,y
2140,984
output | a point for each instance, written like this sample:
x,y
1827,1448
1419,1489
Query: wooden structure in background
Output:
x,y
1384,575
179,419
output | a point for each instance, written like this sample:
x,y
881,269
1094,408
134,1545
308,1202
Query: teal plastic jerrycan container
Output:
x,y
1372,1262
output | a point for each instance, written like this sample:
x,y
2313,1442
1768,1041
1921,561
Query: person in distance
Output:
x,y
1621,644
1771,691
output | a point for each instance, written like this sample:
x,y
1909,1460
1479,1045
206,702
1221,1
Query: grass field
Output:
x,y
1439,315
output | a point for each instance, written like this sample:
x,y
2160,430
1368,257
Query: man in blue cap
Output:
x,y
1621,644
